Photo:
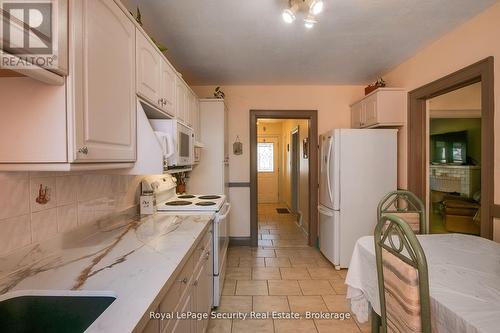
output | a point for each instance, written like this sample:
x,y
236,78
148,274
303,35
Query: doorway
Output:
x,y
454,152
283,172
419,153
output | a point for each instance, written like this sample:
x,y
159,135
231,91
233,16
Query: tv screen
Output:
x,y
450,148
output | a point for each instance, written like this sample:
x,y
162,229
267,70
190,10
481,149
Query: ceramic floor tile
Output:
x,y
229,287
339,286
323,273
252,262
294,326
294,273
252,288
253,326
239,273
266,273
316,287
260,253
235,303
219,326
336,303
284,287
270,303
334,326
342,273
302,304
277,262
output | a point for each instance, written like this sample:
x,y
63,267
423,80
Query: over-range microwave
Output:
x,y
177,142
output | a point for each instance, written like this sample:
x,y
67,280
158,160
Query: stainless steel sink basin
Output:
x,y
51,311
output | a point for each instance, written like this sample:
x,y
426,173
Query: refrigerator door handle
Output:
x,y
325,212
328,180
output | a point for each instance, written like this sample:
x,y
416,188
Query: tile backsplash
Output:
x,y
66,200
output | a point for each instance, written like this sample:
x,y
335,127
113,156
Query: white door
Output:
x,y
149,73
167,94
329,234
104,83
268,169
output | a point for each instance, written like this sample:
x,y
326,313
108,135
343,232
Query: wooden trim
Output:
x,y
240,241
482,71
239,184
495,211
312,116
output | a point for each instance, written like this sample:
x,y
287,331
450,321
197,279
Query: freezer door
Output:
x,y
329,234
325,194
329,189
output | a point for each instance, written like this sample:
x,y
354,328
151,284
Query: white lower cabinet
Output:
x,y
191,292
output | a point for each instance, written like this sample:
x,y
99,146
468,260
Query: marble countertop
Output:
x,y
135,260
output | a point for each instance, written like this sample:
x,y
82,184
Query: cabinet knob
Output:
x,y
185,280
195,283
83,150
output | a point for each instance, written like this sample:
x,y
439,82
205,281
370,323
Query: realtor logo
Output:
x,y
27,32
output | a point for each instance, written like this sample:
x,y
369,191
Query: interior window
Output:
x,y
265,157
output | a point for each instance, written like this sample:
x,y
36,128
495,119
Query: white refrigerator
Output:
x,y
358,167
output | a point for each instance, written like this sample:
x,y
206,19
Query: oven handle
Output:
x,y
222,217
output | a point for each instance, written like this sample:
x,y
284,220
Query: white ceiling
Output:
x,y
246,41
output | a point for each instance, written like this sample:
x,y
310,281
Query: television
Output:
x,y
449,148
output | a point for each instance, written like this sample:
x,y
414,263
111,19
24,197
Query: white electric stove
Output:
x,y
168,202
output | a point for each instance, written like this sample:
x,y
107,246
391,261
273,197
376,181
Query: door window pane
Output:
x,y
265,157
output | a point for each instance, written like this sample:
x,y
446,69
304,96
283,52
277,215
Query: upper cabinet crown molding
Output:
x,y
385,107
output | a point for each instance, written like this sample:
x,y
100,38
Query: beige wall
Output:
x,y
467,44
466,98
332,103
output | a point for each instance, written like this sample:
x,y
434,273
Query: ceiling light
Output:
x,y
309,22
316,7
288,15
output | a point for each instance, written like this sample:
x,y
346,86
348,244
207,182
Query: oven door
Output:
x,y
185,145
221,237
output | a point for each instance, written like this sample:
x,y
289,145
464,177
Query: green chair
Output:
x,y
407,206
402,279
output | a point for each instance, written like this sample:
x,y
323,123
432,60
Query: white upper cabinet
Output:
x,y
181,99
104,82
167,92
385,107
149,73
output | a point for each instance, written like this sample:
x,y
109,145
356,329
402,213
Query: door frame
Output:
x,y
312,116
295,168
482,71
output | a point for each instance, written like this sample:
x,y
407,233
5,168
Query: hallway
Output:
x,y
282,274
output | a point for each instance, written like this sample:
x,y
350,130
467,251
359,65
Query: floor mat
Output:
x,y
282,210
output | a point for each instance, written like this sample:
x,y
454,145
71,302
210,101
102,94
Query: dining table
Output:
x,y
464,282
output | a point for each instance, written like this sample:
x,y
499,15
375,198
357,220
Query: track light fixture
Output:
x,y
311,8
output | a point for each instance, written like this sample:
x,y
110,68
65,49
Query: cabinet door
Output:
x,y
204,293
184,326
196,119
180,92
356,111
104,83
167,96
370,111
148,70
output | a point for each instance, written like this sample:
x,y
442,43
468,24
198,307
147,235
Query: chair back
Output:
x,y
402,277
407,206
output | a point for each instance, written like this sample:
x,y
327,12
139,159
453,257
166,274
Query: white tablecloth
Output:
x,y
464,282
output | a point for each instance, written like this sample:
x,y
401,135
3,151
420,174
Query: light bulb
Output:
x,y
316,7
288,16
309,22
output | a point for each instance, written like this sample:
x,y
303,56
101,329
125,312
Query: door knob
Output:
x,y
83,150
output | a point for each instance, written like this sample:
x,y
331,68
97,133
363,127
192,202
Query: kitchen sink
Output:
x,y
65,311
